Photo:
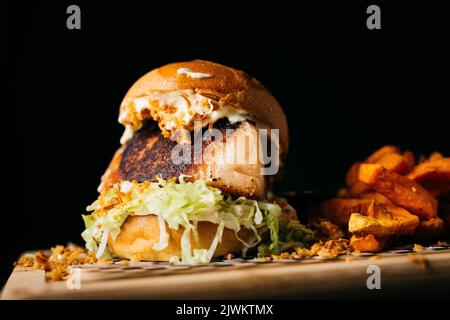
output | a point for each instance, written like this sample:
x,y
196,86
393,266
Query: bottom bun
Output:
x,y
139,234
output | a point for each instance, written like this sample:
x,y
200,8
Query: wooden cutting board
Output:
x,y
235,279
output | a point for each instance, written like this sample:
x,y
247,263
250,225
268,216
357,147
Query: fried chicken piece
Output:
x,y
400,190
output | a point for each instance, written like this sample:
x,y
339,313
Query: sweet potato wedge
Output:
x,y
343,193
389,157
355,187
395,162
410,161
435,156
358,189
431,170
400,190
338,210
366,243
392,159
352,174
378,154
376,196
430,229
383,221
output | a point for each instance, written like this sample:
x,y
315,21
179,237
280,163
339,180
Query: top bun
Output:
x,y
209,87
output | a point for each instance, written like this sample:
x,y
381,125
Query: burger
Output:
x,y
155,205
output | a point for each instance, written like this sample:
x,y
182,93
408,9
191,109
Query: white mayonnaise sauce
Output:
x,y
196,75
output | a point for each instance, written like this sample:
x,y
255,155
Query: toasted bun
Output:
x,y
139,234
230,86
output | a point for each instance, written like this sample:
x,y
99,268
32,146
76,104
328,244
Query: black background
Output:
x,y
346,90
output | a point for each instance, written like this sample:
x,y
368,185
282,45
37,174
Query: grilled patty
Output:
x,y
148,155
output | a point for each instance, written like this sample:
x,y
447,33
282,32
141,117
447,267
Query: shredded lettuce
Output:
x,y
178,204
291,235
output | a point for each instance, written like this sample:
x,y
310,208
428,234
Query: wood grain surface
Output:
x,y
238,279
